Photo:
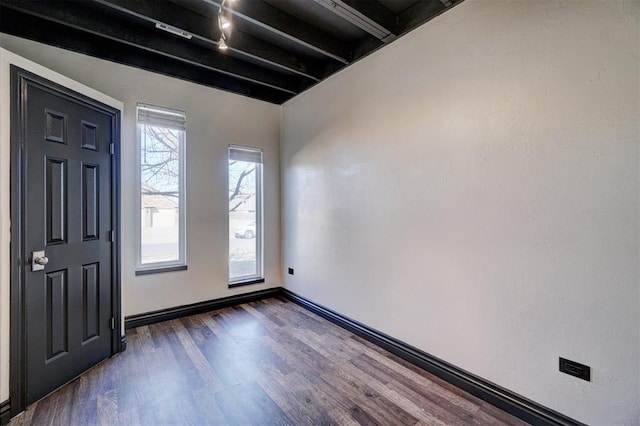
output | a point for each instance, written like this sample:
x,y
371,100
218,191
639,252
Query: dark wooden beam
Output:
x,y
369,16
278,22
207,30
252,47
88,20
366,47
418,14
31,27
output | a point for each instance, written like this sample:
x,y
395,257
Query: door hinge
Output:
x,y
113,323
112,236
112,148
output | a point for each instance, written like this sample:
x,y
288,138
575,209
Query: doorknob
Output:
x,y
38,260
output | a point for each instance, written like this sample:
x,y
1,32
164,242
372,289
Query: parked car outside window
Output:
x,y
248,231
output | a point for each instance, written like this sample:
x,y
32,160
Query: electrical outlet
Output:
x,y
575,369
290,271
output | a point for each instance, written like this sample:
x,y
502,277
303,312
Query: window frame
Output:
x,y
258,277
181,262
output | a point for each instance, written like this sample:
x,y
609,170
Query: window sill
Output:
x,y
161,269
246,282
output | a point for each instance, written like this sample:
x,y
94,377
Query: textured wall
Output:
x,y
472,189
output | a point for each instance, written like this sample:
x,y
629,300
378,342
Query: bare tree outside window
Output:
x,y
161,138
160,167
242,183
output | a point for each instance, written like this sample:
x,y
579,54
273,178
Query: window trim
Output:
x,y
258,277
181,262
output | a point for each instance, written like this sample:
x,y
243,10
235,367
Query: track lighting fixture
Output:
x,y
173,30
223,24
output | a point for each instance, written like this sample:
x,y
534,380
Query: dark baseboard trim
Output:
x,y
512,403
5,412
148,318
123,343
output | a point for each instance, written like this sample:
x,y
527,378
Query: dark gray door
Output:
x,y
67,214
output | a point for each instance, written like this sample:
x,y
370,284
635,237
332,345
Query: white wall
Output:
x,y
472,189
214,120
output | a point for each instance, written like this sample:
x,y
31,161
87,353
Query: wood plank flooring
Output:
x,y
261,363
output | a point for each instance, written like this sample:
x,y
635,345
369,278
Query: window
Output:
x,y
161,215
245,215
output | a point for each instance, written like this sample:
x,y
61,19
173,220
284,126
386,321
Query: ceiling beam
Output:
x,y
169,46
418,14
33,28
366,47
369,16
278,22
207,30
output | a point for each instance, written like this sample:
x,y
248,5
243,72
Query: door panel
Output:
x,y
56,315
90,202
56,202
68,196
55,126
90,302
89,135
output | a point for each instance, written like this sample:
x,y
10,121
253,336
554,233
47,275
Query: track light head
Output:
x,y
224,22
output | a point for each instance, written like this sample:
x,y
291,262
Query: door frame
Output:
x,y
19,78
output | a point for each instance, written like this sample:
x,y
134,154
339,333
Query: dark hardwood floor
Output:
x,y
267,362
